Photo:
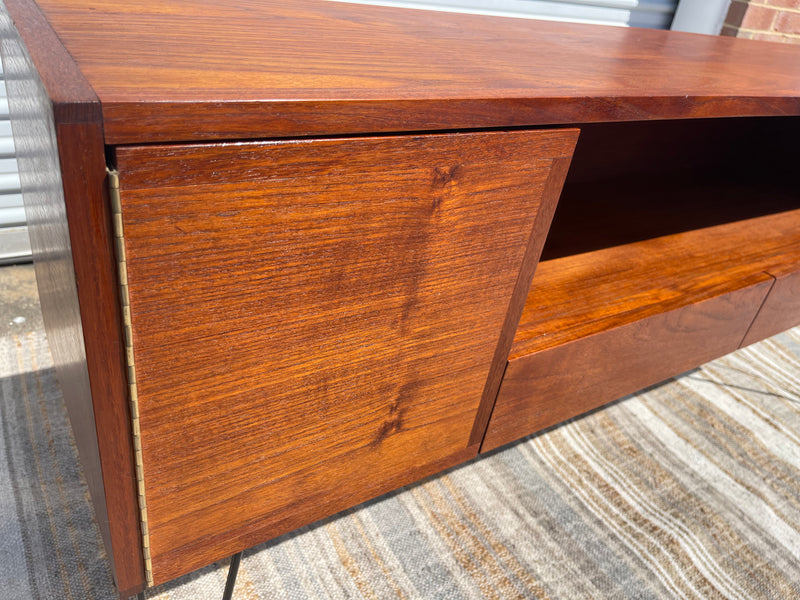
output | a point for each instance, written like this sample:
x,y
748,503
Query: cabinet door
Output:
x,y
313,322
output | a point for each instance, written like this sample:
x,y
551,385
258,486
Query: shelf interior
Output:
x,y
656,216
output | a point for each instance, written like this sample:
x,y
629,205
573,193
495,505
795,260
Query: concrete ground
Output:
x,y
19,300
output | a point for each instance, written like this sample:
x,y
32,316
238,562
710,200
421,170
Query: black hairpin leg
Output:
x,y
233,571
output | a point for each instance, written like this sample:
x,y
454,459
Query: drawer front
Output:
x,y
781,309
544,388
314,321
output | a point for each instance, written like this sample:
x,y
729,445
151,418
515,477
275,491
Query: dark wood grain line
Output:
x,y
555,181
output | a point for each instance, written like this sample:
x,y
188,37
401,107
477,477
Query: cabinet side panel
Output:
x,y
40,176
314,321
62,171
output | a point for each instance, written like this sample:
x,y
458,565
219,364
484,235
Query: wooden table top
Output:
x,y
181,70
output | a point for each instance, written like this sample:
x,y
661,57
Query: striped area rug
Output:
x,y
690,489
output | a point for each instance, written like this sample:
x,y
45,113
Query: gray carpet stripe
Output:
x,y
397,519
656,516
756,454
564,544
604,504
15,551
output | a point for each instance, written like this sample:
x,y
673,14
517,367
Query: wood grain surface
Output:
x,y
544,218
582,294
781,309
59,141
314,321
602,324
169,70
547,387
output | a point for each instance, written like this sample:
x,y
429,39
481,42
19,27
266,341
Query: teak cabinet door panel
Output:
x,y
314,321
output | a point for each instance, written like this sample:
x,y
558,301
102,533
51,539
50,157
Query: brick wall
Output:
x,y
771,20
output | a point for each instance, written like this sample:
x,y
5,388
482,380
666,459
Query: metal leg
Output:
x,y
233,571
140,596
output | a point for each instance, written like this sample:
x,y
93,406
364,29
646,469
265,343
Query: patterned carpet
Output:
x,y
690,489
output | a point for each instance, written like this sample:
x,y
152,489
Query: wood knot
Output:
x,y
444,175
392,424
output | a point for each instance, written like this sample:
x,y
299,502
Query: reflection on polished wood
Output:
x,y
333,217
188,70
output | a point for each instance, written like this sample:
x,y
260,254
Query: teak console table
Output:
x,y
286,251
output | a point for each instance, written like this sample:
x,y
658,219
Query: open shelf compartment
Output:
x,y
654,265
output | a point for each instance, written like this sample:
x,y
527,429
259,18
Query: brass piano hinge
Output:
x,y
119,243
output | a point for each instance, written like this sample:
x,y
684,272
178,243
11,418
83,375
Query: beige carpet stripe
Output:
x,y
777,351
590,526
471,553
245,588
502,554
538,455
754,507
528,539
351,535
774,398
531,533
406,587
683,490
737,404
317,583
387,573
635,531
442,543
604,505
746,461
493,556
639,500
265,576
668,542
351,565
779,386
758,444
773,357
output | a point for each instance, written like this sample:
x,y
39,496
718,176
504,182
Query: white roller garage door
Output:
x,y
635,13
14,245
